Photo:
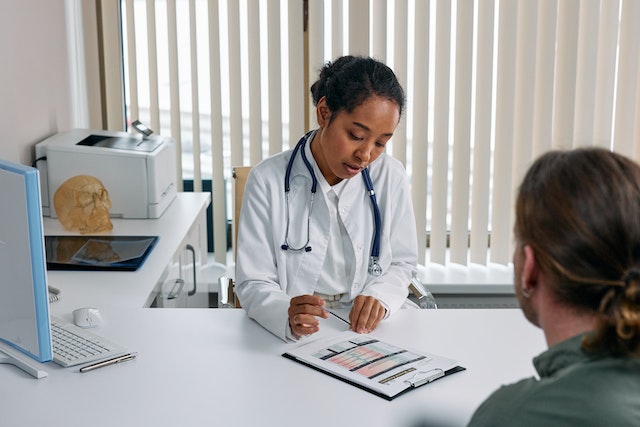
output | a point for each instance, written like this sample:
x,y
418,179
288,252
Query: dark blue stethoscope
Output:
x,y
374,265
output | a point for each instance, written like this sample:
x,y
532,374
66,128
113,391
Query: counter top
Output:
x,y
122,288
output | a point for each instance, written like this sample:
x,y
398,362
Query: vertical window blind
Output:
x,y
490,86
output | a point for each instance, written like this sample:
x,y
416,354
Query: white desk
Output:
x,y
217,367
184,219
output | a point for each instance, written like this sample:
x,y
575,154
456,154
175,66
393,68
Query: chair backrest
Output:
x,y
240,174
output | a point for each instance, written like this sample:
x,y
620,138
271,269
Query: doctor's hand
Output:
x,y
303,311
366,314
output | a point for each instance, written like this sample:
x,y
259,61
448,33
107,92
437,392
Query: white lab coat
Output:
x,y
267,277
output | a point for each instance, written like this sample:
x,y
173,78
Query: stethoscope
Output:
x,y
374,265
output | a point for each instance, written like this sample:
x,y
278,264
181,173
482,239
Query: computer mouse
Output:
x,y
87,317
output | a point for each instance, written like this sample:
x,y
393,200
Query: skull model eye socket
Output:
x,y
84,199
82,204
103,197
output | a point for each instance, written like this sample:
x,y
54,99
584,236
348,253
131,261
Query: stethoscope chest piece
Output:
x,y
374,267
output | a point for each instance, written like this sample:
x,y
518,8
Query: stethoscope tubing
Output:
x,y
374,266
377,218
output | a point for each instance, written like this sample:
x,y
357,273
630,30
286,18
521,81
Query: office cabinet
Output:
x,y
178,258
181,284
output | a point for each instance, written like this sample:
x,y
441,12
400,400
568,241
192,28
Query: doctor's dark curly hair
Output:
x,y
579,211
349,81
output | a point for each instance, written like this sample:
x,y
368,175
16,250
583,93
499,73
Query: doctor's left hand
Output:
x,y
303,311
366,314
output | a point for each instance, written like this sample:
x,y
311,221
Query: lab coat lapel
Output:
x,y
355,212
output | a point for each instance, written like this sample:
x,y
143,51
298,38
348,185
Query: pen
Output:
x,y
112,361
335,315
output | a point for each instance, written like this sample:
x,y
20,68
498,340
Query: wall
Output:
x,y
35,94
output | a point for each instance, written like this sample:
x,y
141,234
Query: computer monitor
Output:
x,y
24,302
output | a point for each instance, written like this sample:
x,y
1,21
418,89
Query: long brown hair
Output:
x,y
579,210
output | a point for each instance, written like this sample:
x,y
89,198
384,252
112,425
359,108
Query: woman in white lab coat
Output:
x,y
298,256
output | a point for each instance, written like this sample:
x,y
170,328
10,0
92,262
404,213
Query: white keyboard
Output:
x,y
73,345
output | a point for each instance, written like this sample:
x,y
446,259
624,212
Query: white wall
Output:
x,y
35,100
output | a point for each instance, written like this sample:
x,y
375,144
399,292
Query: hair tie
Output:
x,y
631,276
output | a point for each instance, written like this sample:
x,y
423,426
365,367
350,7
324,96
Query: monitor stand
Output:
x,y
11,356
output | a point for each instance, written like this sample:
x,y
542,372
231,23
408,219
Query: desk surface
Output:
x,y
218,367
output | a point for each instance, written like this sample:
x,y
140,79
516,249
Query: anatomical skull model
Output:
x,y
82,203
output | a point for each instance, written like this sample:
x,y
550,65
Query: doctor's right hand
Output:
x,y
303,311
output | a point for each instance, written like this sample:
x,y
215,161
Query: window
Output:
x,y
490,86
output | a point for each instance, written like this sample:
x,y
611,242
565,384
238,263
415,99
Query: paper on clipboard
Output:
x,y
366,362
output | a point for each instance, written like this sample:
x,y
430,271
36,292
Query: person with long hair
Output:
x,y
577,277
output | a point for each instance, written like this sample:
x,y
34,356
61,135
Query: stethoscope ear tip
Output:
x,y
307,249
284,247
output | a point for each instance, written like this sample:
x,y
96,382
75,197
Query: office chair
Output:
x,y
228,296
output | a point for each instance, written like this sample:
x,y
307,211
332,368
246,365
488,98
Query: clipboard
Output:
x,y
377,367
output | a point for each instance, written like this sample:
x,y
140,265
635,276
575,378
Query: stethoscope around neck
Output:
x,y
374,265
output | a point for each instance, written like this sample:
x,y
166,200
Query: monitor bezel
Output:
x,y
25,197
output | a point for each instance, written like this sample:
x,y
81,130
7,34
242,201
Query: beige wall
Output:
x,y
35,95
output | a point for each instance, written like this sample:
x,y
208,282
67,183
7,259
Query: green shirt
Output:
x,y
575,388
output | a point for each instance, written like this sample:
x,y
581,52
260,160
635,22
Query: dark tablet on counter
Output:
x,y
104,253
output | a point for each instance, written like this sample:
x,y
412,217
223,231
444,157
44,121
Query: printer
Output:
x,y
139,172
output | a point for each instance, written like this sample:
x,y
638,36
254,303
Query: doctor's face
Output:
x,y
350,142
